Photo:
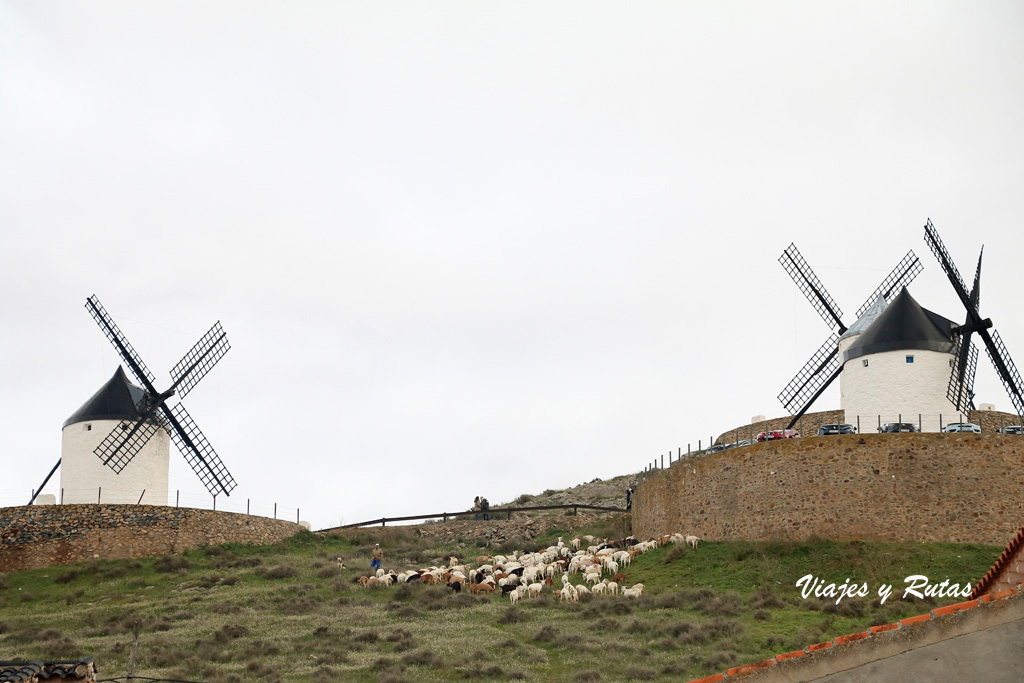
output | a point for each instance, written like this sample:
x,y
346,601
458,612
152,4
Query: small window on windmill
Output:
x,y
865,362
88,427
910,359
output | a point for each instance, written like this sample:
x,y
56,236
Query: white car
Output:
x,y
962,427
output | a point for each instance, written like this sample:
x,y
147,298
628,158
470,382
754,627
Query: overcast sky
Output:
x,y
480,248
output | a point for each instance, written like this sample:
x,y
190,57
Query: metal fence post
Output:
x,y
99,494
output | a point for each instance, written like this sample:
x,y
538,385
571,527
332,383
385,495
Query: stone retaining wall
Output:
x,y
44,535
960,488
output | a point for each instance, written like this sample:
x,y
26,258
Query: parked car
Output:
x,y
773,434
893,427
747,442
717,447
954,427
1013,429
836,429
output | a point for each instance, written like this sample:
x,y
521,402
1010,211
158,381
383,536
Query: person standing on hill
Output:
x,y
485,508
476,508
629,499
375,557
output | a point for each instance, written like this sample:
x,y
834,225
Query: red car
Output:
x,y
773,434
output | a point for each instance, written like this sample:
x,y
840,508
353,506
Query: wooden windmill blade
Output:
x,y
125,441
120,343
960,391
817,373
901,276
962,373
1003,364
197,451
199,360
808,283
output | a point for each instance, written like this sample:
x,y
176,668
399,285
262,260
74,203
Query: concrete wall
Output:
x,y
85,479
963,488
43,536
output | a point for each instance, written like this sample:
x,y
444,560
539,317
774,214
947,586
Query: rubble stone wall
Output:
x,y
46,535
960,488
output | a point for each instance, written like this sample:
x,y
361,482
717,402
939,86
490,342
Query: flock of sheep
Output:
x,y
526,575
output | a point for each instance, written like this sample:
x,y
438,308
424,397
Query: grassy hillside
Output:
x,y
287,612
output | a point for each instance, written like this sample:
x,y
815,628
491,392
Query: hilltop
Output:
x,y
288,612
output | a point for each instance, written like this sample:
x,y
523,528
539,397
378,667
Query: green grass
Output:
x,y
287,613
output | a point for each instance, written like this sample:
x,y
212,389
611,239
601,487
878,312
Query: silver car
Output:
x,y
962,427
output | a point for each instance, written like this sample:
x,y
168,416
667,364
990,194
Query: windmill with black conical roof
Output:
x,y
116,445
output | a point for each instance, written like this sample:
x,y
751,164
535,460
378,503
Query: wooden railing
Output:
x,y
444,516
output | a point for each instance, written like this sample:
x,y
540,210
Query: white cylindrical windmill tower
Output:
x,y
896,366
84,478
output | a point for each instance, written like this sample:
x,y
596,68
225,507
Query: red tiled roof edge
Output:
x,y
999,567
865,636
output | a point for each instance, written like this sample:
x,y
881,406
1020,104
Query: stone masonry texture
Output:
x,y
45,535
960,488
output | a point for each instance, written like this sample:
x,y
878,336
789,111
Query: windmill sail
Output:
x,y
129,437
825,365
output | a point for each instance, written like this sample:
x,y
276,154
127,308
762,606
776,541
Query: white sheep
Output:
x,y
598,589
692,541
535,589
613,588
635,592
513,596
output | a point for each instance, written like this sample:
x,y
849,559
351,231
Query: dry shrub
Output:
x,y
370,636
637,626
423,657
225,608
68,576
587,676
230,632
513,615
168,564
847,608
765,598
719,660
547,634
728,605
328,572
639,673
282,571
762,615
261,648
259,669
718,628
299,606
605,625
678,628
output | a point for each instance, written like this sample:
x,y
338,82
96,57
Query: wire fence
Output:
x,y
986,421
99,496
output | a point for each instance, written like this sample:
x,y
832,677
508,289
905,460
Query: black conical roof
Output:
x,y
904,325
116,400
